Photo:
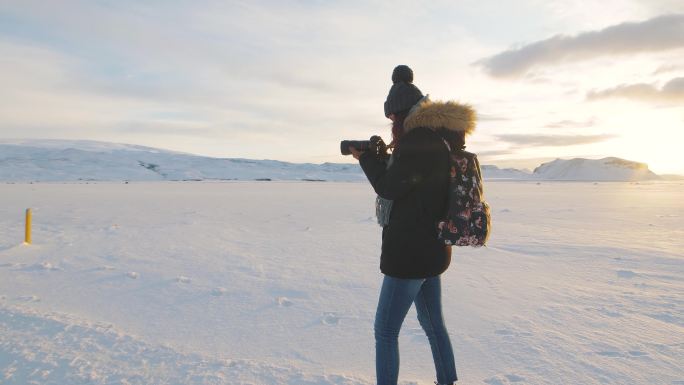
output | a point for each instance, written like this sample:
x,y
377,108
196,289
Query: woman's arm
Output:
x,y
397,180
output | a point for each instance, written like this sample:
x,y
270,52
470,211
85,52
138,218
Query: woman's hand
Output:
x,y
355,153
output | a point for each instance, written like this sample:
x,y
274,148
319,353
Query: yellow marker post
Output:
x,y
27,236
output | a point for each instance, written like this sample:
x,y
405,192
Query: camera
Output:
x,y
376,145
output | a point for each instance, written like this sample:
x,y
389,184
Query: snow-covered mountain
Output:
x,y
62,160
606,169
494,172
59,160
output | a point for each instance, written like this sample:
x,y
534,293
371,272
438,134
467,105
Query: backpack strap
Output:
x,y
447,144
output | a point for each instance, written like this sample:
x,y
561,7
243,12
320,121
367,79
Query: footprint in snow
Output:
x,y
183,279
610,313
504,332
514,378
511,378
132,275
47,266
626,274
14,265
330,319
284,301
512,333
218,291
493,381
29,298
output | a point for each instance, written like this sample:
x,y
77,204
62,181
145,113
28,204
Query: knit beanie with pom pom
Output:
x,y
403,95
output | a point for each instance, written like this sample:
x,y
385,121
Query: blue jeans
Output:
x,y
396,297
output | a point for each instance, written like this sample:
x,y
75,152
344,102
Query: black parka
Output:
x,y
417,182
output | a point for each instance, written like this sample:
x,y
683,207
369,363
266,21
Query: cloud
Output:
x,y
672,91
493,118
659,5
536,140
488,153
666,68
572,124
165,127
657,34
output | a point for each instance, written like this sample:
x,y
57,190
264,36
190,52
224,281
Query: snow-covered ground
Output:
x,y
277,282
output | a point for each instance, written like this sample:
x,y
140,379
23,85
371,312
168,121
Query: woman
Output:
x,y
415,179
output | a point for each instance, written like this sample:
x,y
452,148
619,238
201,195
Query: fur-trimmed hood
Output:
x,y
435,115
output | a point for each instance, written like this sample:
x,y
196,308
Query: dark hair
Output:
x,y
456,139
398,126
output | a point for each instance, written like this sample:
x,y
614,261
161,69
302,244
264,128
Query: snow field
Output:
x,y
277,282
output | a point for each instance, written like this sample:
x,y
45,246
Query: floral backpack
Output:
x,y
468,220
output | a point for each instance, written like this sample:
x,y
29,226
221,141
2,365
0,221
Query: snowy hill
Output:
x,y
62,160
59,160
606,169
494,172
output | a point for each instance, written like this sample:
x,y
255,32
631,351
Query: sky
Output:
x,y
289,80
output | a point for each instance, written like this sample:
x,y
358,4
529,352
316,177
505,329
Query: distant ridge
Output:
x,y
494,172
606,169
83,160
62,160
